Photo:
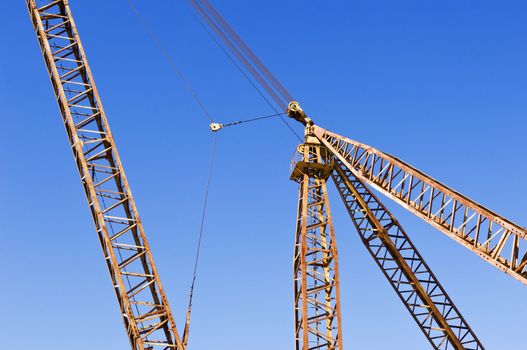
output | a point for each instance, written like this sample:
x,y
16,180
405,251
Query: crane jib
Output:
x,y
144,306
487,234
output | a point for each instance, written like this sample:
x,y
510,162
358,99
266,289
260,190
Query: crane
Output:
x,y
354,168
144,306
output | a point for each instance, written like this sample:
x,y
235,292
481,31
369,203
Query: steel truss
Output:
x,y
142,301
317,292
404,267
146,313
487,234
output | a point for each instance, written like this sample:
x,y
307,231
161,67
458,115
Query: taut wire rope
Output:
x,y
200,239
257,70
168,57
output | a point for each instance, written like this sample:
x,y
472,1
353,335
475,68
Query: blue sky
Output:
x,y
441,85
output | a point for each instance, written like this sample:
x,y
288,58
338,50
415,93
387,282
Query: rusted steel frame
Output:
x,y
110,200
489,235
299,266
403,266
317,291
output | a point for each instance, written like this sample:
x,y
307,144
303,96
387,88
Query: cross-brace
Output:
x,y
317,295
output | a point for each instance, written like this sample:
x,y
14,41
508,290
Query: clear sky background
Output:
x,y
440,84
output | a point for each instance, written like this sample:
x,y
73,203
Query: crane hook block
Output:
x,y
215,127
297,113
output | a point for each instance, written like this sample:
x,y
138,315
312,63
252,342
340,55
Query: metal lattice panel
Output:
x,y
145,309
317,295
492,237
142,301
404,267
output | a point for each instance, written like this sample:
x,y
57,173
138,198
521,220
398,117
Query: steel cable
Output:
x,y
200,239
245,75
168,57
247,51
252,120
239,55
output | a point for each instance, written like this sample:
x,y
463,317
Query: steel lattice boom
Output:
x,y
489,235
403,266
146,313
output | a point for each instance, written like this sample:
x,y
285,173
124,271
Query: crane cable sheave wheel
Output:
x,y
215,127
297,113
293,111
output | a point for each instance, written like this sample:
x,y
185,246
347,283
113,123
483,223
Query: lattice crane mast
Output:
x,y
144,306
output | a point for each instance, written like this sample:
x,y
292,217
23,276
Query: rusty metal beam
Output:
x,y
146,313
489,235
404,267
316,279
